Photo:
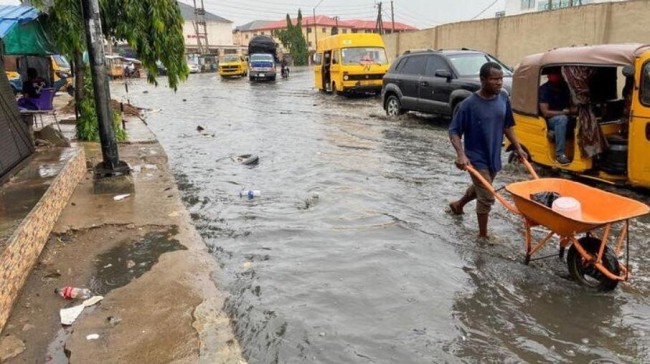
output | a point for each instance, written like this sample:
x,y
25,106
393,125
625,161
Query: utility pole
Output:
x,y
392,16
199,22
380,24
314,21
111,165
336,28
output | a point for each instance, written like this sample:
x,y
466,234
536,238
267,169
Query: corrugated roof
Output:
x,y
187,11
10,15
255,24
322,20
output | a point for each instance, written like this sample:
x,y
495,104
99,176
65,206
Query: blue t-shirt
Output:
x,y
481,123
556,98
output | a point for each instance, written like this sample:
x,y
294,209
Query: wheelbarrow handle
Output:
x,y
529,168
494,192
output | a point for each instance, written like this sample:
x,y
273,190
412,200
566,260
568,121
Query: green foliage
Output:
x,y
87,125
153,28
293,40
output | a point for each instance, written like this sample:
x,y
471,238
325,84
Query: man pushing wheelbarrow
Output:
x,y
482,120
594,213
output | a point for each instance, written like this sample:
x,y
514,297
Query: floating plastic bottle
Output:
x,y
249,193
74,293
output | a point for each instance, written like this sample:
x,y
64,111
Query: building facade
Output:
x,y
215,38
314,28
515,7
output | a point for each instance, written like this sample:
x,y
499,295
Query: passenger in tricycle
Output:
x,y
556,107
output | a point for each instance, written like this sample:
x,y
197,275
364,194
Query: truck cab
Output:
x,y
262,58
261,67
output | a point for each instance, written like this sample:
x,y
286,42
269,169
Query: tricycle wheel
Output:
x,y
585,273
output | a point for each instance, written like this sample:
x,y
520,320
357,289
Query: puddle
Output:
x,y
116,268
120,265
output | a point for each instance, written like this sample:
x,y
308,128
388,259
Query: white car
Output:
x,y
194,68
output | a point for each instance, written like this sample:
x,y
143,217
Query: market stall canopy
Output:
x,y
22,33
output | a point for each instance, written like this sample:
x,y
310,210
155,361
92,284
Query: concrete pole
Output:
x,y
95,40
314,17
315,36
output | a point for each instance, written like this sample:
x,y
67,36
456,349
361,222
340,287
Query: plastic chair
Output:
x,y
44,103
45,99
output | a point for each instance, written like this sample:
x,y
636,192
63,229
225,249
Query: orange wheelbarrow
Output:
x,y
591,262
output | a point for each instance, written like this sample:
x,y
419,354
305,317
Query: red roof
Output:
x,y
323,20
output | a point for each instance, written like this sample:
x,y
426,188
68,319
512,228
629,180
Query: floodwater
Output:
x,y
348,254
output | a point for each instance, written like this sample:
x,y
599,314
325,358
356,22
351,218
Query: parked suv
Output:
x,y
435,82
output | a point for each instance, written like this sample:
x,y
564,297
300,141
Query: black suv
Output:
x,y
434,82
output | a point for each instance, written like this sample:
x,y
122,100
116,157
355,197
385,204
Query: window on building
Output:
x,y
309,43
354,30
309,30
324,30
262,33
246,36
527,4
344,31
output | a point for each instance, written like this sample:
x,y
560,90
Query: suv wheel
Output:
x,y
393,106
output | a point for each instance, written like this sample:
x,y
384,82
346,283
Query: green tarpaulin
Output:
x,y
27,39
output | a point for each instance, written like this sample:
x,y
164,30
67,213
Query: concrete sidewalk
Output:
x,y
144,256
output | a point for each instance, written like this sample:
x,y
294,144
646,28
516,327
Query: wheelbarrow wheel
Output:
x,y
585,273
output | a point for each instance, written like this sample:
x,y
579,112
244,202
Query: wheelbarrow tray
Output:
x,y
598,207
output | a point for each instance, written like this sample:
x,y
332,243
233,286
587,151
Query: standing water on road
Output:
x,y
348,255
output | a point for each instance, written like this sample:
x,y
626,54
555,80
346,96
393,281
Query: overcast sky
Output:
x,y
418,13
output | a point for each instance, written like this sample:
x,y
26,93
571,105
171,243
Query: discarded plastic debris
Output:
x,y
74,293
121,197
199,128
250,193
247,159
70,314
92,337
113,321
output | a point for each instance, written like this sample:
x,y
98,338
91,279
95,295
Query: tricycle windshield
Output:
x,y
469,65
645,84
61,61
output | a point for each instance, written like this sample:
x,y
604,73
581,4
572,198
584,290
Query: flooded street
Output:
x,y
348,254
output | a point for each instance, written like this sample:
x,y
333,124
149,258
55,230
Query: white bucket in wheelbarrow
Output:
x,y
568,207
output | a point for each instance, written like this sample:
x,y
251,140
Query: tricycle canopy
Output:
x,y
525,81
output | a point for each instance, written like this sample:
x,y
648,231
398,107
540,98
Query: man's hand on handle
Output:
x,y
462,162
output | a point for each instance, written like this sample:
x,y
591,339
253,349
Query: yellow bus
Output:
x,y
348,63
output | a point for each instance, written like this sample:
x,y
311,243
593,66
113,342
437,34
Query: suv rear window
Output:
x,y
470,64
413,65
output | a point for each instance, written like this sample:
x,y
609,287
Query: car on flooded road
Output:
x,y
435,82
233,65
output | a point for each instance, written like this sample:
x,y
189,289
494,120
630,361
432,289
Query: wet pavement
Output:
x,y
22,192
348,254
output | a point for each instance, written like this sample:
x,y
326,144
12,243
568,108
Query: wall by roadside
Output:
x,y
21,250
514,37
